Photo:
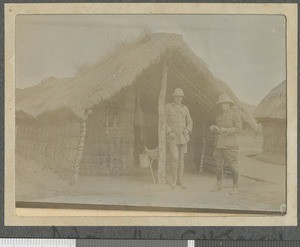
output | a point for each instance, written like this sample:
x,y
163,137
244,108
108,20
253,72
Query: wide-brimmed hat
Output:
x,y
225,98
178,92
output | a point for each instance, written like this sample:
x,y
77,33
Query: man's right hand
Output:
x,y
215,129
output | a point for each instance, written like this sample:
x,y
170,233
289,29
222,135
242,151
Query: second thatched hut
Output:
x,y
271,113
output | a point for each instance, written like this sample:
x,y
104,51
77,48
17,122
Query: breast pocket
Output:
x,y
171,116
219,122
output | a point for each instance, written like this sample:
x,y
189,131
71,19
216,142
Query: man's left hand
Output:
x,y
186,132
223,131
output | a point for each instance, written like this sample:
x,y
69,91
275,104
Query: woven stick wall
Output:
x,y
274,133
50,140
109,144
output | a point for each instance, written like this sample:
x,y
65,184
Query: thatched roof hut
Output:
x,y
271,113
273,106
107,95
121,70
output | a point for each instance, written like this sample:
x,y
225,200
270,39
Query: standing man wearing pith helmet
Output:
x,y
179,127
228,126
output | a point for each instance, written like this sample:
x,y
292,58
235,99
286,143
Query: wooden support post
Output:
x,y
76,165
203,149
162,128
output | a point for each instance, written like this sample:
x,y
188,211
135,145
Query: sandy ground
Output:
x,y
262,187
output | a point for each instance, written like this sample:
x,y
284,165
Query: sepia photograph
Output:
x,y
151,112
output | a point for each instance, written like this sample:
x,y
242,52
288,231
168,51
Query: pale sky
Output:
x,y
247,52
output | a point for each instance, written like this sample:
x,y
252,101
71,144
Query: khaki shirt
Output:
x,y
179,122
231,122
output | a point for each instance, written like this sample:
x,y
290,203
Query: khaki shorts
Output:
x,y
222,155
177,148
227,156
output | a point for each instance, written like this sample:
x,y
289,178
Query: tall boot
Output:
x,y
219,174
235,178
219,180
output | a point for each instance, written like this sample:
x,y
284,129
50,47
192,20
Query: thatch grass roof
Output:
x,y
45,85
119,71
273,106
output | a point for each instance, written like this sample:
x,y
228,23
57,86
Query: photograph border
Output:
x,y
26,216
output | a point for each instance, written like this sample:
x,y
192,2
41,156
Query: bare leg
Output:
x,y
175,158
232,157
180,170
219,158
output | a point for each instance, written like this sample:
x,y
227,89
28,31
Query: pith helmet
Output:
x,y
178,92
225,98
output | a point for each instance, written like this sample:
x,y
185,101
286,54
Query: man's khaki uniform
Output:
x,y
226,149
179,126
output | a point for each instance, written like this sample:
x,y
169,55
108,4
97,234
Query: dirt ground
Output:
x,y
262,186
